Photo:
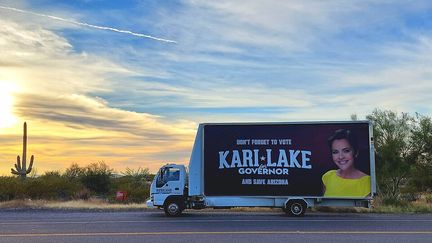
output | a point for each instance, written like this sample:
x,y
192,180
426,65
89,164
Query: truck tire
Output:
x,y
296,208
173,208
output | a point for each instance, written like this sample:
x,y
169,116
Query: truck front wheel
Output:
x,y
296,208
173,209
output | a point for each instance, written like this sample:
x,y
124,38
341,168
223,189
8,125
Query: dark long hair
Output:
x,y
344,134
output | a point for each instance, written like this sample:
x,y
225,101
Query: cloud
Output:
x,y
271,26
402,82
308,55
27,52
261,61
84,112
87,25
74,128
55,94
295,60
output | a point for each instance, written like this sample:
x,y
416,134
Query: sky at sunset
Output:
x,y
128,82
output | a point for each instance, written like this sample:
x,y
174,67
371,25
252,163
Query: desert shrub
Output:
x,y
97,178
79,183
428,198
82,194
51,185
136,191
140,174
34,188
421,180
10,188
391,201
74,172
410,197
135,183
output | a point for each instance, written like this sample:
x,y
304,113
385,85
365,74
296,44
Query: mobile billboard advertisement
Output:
x,y
290,159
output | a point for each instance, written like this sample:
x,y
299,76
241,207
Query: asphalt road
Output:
x,y
214,226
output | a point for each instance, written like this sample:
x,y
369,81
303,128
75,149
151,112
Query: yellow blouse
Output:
x,y
337,186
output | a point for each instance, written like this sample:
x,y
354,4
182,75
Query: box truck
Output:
x,y
292,166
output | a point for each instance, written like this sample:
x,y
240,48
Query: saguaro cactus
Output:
x,y
21,167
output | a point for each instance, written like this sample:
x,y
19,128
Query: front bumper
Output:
x,y
150,204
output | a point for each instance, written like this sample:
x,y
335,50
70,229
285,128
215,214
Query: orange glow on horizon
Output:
x,y
56,146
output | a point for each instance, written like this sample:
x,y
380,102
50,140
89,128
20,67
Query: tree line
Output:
x,y
403,160
403,154
75,183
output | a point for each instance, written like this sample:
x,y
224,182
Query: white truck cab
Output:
x,y
169,189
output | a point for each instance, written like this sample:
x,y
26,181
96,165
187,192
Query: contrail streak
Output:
x,y
88,25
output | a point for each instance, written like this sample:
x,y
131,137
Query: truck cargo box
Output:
x,y
273,159
292,166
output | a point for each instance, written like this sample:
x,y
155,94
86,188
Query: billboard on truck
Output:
x,y
289,159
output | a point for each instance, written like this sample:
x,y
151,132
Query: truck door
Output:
x,y
168,183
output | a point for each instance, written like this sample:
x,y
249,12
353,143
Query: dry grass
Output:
x,y
341,209
92,204
422,205
419,206
20,204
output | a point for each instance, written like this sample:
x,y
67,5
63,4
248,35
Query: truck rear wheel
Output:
x,y
296,208
173,209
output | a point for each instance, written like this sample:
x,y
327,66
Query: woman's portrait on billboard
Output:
x,y
346,180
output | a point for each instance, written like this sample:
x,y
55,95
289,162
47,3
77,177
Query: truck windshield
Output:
x,y
167,174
